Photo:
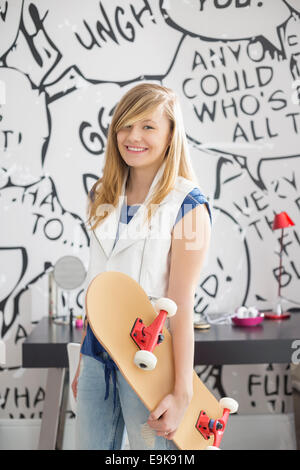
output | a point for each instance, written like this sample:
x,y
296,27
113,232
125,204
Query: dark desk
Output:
x,y
46,346
270,342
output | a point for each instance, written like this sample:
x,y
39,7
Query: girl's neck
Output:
x,y
138,184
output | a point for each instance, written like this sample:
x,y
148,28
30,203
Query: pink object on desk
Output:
x,y
79,323
251,321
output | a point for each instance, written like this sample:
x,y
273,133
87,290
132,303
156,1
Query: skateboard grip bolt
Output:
x,y
160,338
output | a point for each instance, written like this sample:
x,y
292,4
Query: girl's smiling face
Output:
x,y
144,143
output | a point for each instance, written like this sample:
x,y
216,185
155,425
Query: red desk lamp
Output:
x,y
281,221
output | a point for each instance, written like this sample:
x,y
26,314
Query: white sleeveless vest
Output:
x,y
141,252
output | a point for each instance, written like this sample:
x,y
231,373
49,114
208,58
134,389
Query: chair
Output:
x,y
73,357
2,352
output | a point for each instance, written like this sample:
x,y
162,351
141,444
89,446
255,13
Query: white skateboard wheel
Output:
x,y
145,360
166,304
229,403
212,448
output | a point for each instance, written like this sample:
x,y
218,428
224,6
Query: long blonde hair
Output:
x,y
137,103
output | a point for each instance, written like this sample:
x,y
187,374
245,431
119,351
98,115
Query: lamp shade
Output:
x,y
282,220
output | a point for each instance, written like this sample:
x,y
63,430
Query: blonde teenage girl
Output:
x,y
150,220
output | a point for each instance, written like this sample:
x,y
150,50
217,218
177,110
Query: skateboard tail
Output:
x,y
212,427
215,427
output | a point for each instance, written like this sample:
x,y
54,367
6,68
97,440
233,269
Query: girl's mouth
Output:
x,y
130,148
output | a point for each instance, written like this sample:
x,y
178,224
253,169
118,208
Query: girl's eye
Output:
x,y
148,127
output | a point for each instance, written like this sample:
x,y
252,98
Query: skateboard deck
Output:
x,y
113,302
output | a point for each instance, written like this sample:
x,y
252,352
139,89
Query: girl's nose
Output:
x,y
134,134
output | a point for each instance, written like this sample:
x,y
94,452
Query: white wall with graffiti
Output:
x,y
64,65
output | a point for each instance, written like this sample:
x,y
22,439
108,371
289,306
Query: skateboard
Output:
x,y
132,330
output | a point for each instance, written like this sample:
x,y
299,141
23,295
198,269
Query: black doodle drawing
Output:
x,y
236,70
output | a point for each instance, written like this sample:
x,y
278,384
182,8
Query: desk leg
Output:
x,y
62,414
51,410
296,400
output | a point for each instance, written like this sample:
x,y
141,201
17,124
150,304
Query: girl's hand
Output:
x,y
75,382
167,416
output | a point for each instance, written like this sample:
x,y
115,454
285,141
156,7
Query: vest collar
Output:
x,y
136,229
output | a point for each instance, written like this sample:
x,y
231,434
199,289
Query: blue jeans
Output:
x,y
100,423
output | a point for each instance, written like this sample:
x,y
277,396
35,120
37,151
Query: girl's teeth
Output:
x,y
136,149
